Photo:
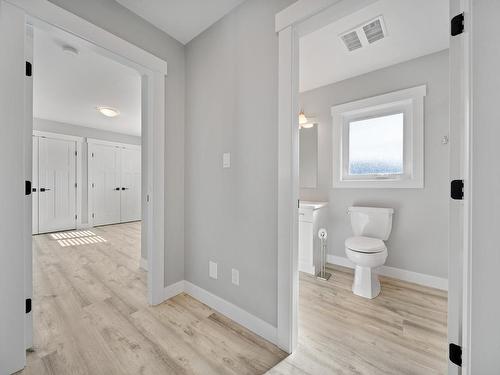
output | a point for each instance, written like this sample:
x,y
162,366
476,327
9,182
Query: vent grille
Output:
x,y
351,41
364,34
374,31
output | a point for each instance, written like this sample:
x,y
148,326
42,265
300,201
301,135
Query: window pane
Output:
x,y
376,145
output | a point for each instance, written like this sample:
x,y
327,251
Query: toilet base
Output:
x,y
366,283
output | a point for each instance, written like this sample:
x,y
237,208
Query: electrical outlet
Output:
x,y
235,276
212,270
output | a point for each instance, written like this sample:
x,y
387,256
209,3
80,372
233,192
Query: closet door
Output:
x,y
130,185
34,183
57,185
104,180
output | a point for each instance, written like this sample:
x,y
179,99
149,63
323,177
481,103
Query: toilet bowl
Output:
x,y
366,249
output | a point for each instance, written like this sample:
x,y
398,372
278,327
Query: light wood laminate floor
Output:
x,y
91,317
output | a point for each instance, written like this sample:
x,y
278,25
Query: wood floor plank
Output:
x,y
91,317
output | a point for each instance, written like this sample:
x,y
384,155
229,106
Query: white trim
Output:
x,y
409,101
51,14
143,263
39,133
288,191
300,19
152,69
129,146
397,273
300,11
233,312
174,289
307,268
79,182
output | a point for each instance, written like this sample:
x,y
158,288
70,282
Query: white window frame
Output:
x,y
410,102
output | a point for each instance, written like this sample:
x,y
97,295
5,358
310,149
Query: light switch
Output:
x,y
235,276
212,270
226,160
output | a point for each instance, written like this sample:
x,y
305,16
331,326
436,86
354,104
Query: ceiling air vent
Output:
x,y
374,30
364,35
351,40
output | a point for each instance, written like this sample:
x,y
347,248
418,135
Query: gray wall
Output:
x,y
118,20
82,131
231,214
419,239
485,251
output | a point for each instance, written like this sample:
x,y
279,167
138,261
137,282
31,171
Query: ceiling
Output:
x,y
68,88
181,19
413,28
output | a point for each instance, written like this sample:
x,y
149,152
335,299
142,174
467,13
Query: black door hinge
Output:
x,y
455,354
27,187
457,189
29,69
28,305
457,25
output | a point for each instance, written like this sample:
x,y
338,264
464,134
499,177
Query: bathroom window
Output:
x,y
378,141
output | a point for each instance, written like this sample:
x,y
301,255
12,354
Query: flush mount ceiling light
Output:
x,y
108,111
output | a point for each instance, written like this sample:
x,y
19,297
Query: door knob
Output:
x,y
117,189
44,189
124,188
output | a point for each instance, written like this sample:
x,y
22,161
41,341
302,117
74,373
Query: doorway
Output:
x,y
293,24
16,20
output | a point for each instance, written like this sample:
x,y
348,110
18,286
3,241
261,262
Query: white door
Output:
x,y
57,185
104,184
12,189
130,185
34,183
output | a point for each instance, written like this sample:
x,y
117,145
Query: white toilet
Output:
x,y
371,227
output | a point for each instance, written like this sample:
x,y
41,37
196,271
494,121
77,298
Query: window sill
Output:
x,y
379,184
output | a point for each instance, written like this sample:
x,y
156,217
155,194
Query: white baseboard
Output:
x,y
174,289
307,268
233,312
397,273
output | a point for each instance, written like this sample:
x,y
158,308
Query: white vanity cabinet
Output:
x,y
308,229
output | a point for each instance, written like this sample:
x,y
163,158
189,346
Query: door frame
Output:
x,y
78,170
299,19
95,141
153,71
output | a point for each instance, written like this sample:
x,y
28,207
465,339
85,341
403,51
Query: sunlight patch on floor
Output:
x,y
77,238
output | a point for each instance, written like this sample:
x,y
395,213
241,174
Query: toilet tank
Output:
x,y
371,221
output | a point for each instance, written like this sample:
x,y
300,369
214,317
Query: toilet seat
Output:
x,y
366,245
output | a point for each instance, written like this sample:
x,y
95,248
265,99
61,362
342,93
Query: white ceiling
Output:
x,y
414,28
68,88
181,19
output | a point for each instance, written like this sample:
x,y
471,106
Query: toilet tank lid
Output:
x,y
381,210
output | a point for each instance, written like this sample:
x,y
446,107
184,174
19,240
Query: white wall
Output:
x,y
419,239
118,20
231,214
485,181
81,131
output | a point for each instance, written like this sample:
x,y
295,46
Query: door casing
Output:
x,y
15,17
299,19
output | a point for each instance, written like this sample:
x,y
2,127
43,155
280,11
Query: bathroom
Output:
x,y
374,132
